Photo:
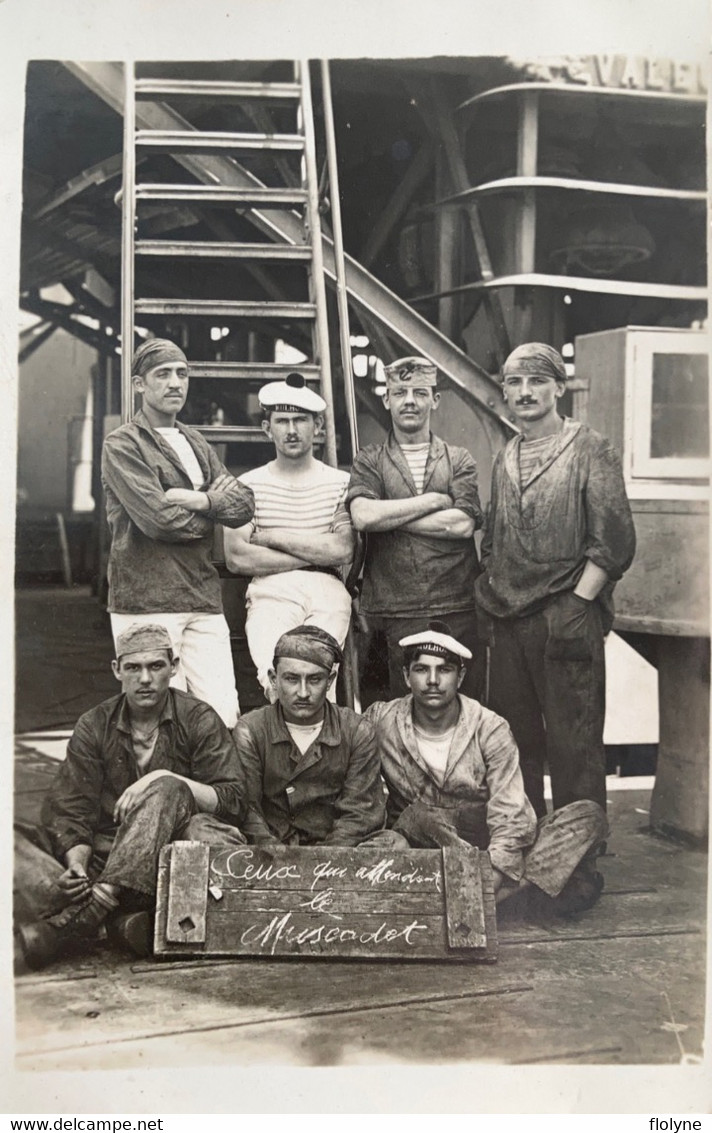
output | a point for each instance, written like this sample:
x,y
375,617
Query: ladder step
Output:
x,y
242,433
253,371
214,141
168,88
221,195
221,433
225,308
212,249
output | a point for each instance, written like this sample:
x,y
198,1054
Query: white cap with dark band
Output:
x,y
438,640
291,396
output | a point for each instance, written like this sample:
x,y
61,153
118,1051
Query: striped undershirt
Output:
x,y
417,457
309,503
532,454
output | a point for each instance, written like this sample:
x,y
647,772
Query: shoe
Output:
x,y
42,941
132,931
581,892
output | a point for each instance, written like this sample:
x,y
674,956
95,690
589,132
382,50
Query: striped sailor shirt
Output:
x,y
312,503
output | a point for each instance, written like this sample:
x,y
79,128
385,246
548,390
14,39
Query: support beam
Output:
x,y
417,171
39,338
439,119
62,315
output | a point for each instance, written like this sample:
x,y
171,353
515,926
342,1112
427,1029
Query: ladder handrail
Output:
x,y
128,222
317,275
337,233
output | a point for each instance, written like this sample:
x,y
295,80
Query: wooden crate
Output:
x,y
325,902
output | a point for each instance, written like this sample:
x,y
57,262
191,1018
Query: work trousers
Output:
x,y
202,641
280,602
165,813
463,627
563,839
547,679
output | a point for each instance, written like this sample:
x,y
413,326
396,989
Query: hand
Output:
x,y
133,794
187,498
73,884
177,495
222,482
498,879
442,499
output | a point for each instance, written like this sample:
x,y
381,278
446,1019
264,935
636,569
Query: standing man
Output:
x,y
453,776
165,492
311,769
559,534
301,536
144,768
417,498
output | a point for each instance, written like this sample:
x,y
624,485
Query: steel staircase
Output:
x,y
285,157
225,179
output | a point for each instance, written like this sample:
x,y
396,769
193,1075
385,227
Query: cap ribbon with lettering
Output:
x,y
437,640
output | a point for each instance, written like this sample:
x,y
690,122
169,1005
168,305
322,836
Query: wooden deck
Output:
x,y
621,984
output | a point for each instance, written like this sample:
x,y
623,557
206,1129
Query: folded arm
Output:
x,y
388,515
139,491
331,549
244,557
450,523
226,500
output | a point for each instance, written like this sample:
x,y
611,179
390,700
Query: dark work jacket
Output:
x,y
331,794
161,553
192,741
408,574
537,539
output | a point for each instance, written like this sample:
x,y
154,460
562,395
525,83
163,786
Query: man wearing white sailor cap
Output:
x,y
301,536
417,499
452,771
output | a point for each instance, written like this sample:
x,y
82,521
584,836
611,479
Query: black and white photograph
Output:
x,y
360,395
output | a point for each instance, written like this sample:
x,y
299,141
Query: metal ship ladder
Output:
x,y
253,101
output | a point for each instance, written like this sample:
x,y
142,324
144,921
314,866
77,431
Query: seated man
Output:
x,y
311,769
452,771
301,536
144,768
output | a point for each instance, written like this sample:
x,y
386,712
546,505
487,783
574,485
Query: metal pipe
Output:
x,y
339,264
318,283
128,196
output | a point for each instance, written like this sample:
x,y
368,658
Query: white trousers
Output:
x,y
202,642
279,602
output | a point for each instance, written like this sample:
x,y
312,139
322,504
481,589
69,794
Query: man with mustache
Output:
x,y
301,537
453,777
165,493
311,769
558,535
417,499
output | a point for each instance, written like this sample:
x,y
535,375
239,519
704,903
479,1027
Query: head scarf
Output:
x,y
535,358
139,637
309,643
153,353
